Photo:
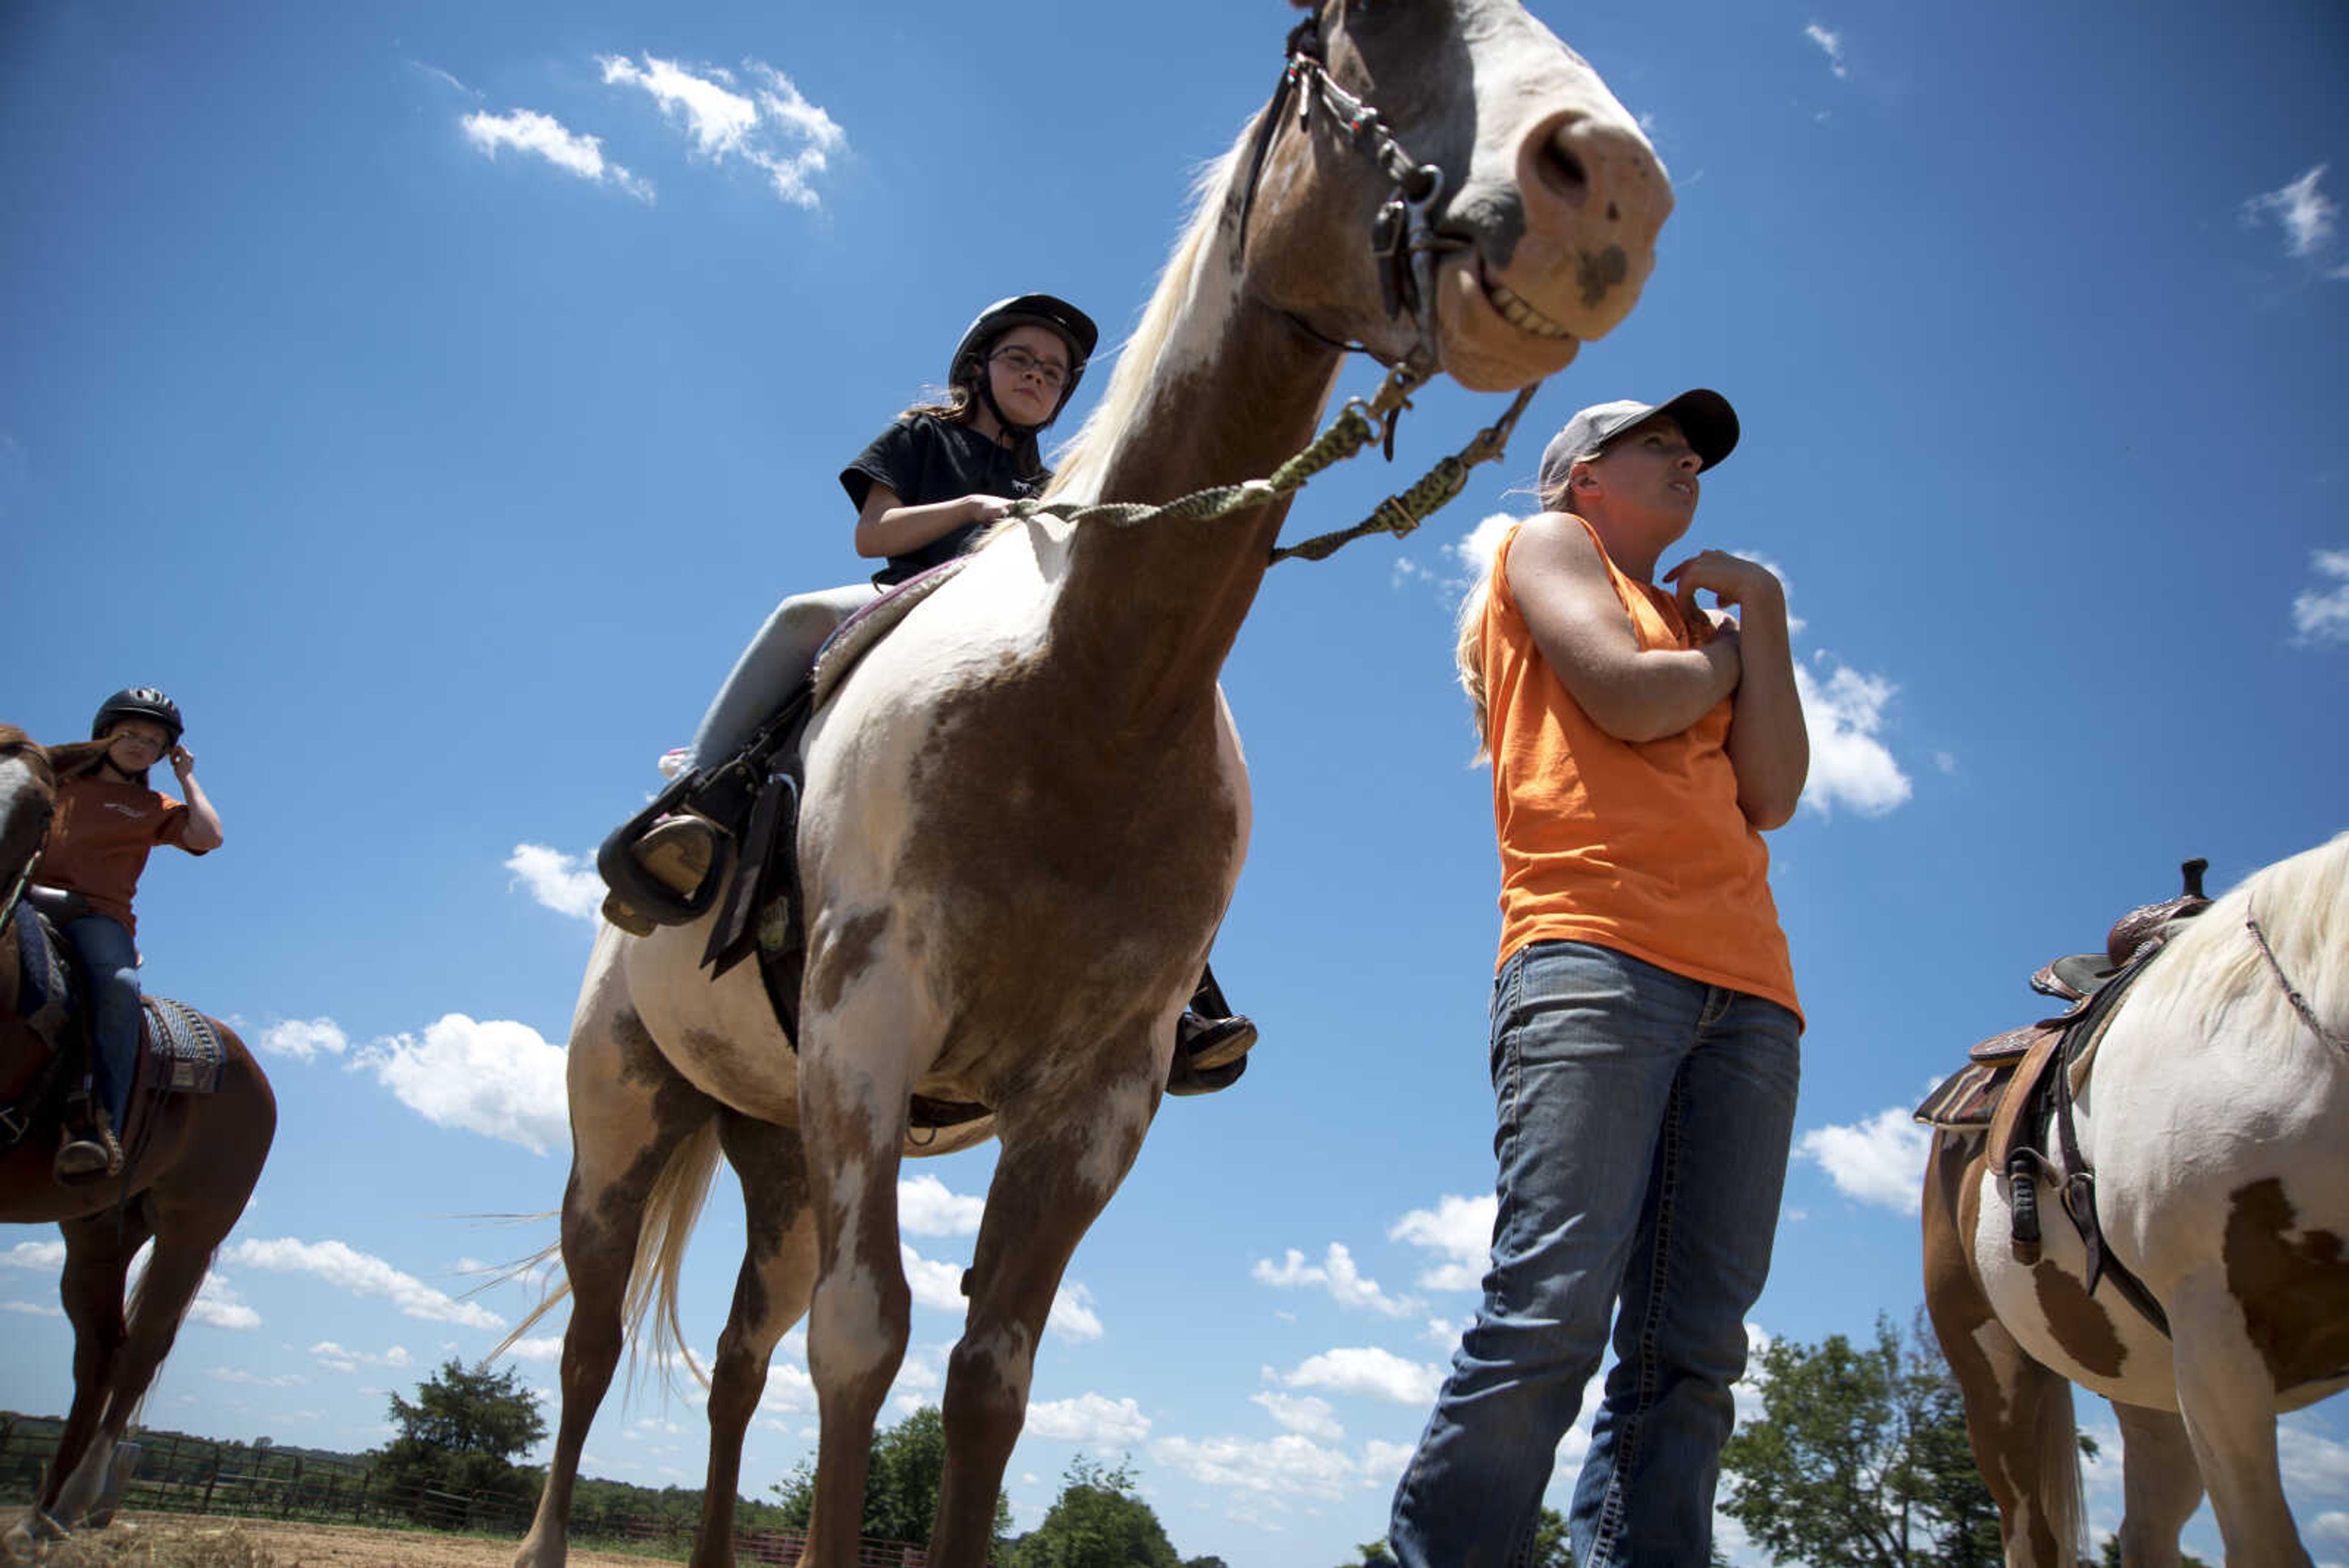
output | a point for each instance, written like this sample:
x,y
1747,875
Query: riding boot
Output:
x,y
678,850
1209,1034
87,1151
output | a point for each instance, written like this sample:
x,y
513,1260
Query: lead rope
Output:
x,y
1356,425
2299,1003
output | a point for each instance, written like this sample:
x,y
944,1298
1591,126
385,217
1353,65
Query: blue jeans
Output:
x,y
109,960
1644,1119
781,654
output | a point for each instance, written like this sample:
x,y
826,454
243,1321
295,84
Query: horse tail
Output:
x,y
558,1287
2056,1460
671,1209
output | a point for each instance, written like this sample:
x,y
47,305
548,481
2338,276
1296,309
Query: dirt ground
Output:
x,y
179,1541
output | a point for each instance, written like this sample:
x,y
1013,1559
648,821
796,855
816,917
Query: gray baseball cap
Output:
x,y
1704,417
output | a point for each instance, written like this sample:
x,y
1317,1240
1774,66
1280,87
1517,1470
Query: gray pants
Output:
x,y
779,658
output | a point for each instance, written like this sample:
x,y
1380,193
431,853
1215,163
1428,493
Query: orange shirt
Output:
x,y
99,839
1636,847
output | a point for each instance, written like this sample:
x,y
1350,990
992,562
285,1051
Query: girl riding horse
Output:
x,y
108,821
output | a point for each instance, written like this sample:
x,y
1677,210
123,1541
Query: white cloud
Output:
x,y
1881,1160
238,1375
2306,216
1380,1466
46,1257
304,1041
774,128
495,1078
926,1208
335,1358
1089,1419
1366,1369
1306,1414
934,1284
2321,614
1289,1464
1337,1274
543,136
361,1275
218,1304
32,1309
1459,1228
566,884
1848,764
1830,45
1073,1316
2312,1463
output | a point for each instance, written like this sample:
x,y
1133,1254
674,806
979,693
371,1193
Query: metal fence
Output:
x,y
167,1473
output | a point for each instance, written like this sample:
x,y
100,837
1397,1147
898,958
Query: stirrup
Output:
x,y
1205,1043
83,1159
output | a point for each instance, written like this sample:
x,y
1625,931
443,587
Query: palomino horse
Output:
x,y
2216,1122
193,1169
1025,811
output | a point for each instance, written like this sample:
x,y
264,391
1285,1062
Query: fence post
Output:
x,y
211,1480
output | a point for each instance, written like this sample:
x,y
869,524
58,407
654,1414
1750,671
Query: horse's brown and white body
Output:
x,y
1026,809
188,1183
2216,1122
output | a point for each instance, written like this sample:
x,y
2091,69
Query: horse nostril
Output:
x,y
1563,172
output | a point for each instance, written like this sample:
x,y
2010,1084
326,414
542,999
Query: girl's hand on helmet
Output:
x,y
183,760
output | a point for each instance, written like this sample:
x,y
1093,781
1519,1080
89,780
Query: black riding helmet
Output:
x,y
138,702
1056,316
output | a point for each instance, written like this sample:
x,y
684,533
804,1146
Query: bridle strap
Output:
x,y
1403,238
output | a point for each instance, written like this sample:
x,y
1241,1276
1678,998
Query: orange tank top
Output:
x,y
1638,847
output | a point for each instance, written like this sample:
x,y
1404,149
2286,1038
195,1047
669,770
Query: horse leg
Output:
x,y
174,1272
770,1295
2019,1418
2225,1393
852,1116
630,1114
2160,1485
1056,1173
98,1249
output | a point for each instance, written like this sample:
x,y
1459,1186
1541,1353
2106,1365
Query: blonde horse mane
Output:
x,y
1077,474
2212,974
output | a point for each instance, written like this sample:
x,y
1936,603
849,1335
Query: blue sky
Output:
x,y
432,397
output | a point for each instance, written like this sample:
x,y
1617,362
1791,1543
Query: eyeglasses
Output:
x,y
1020,362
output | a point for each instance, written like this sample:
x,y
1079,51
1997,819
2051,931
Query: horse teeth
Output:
x,y
1521,316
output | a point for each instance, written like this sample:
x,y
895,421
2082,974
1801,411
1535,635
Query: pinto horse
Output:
x,y
1025,810
2215,1119
193,1169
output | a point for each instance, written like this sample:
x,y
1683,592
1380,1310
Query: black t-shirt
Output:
x,y
925,459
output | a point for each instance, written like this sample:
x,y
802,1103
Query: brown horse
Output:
x,y
193,1169
1025,810
2214,1122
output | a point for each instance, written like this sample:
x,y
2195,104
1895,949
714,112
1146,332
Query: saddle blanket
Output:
x,y
183,1049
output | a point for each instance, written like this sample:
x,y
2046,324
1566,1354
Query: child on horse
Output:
x,y
925,490
108,820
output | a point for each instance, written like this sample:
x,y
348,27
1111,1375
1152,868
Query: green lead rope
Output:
x,y
1357,424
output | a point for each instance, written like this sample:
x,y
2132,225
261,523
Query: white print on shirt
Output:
x,y
120,809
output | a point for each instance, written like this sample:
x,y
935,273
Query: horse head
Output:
x,y
28,788
1495,207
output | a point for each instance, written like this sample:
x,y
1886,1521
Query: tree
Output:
x,y
1861,1459
901,1484
461,1437
1097,1521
